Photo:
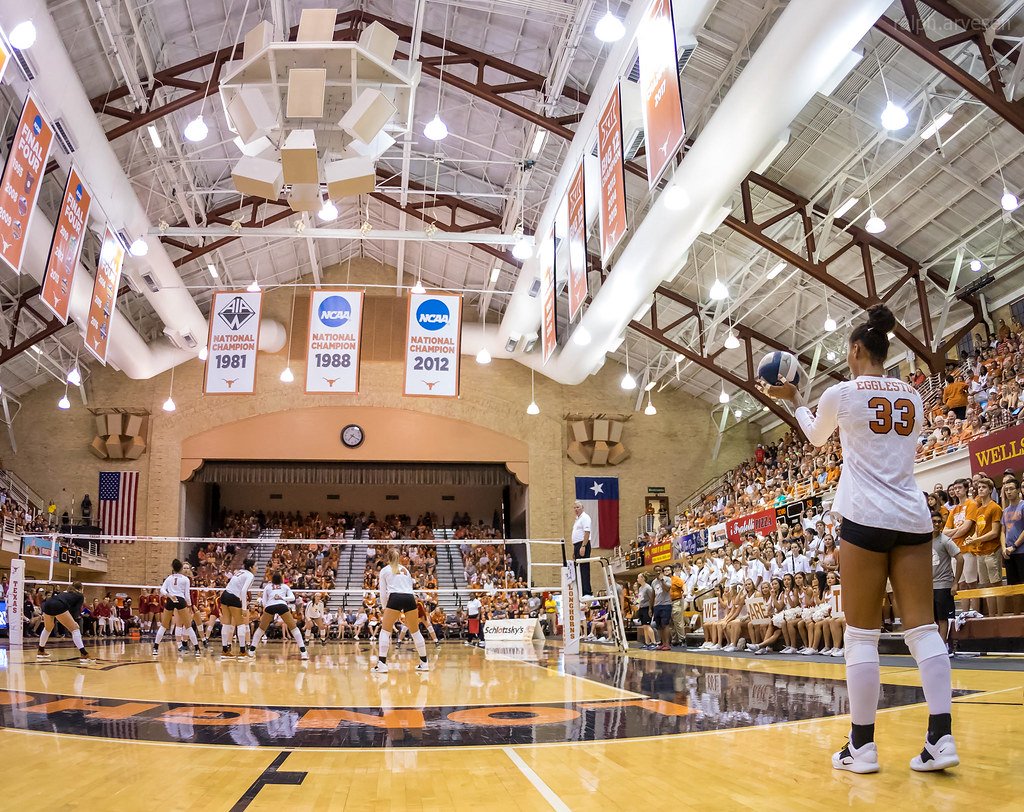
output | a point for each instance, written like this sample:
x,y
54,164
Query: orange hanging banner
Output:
x,y
5,58
104,296
577,240
19,186
613,176
66,247
549,335
660,94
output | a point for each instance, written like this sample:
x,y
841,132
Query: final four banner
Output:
x,y
234,337
66,246
332,348
434,341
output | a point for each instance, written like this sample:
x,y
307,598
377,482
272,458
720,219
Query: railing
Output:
x,y
19,491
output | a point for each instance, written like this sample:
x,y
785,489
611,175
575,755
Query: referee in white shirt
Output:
x,y
581,545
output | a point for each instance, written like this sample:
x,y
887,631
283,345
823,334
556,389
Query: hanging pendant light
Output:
x,y
609,28
196,130
533,408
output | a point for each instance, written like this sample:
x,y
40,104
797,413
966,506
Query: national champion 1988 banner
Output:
x,y
333,341
234,338
104,295
22,177
66,246
433,343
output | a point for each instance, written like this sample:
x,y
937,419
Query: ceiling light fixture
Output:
x,y
254,287
63,403
286,375
533,408
169,405
723,396
628,382
23,35
203,353
538,141
737,413
154,136
523,248
976,265
719,291
328,211
894,117
650,410
732,341
779,268
196,130
495,274
848,204
213,270
937,123
676,198
830,356
1009,200
875,224
609,28
74,376
139,247
581,336
418,287
436,130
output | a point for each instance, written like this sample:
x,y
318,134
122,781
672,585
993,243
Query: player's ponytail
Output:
x,y
394,556
873,335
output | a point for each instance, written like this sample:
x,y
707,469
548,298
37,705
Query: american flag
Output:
x,y
119,493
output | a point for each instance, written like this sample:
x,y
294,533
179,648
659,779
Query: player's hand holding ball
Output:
x,y
778,375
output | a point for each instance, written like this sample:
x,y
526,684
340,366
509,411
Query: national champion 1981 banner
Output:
x,y
104,295
548,323
234,338
660,95
577,241
433,343
333,341
22,177
613,175
66,246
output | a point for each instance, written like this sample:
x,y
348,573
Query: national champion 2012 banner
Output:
x,y
104,295
22,177
333,341
433,344
66,246
234,337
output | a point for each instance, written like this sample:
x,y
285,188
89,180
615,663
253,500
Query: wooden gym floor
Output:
x,y
507,728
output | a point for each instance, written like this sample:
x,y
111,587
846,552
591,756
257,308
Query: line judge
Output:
x,y
581,545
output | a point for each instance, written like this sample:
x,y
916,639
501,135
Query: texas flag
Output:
x,y
600,498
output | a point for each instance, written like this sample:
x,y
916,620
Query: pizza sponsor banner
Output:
x,y
66,246
660,95
104,295
333,341
549,335
22,177
613,175
234,337
994,453
761,523
657,553
433,344
577,241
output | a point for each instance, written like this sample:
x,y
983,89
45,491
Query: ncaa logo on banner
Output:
x,y
37,125
334,311
78,193
432,315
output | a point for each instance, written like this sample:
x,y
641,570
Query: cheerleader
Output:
x,y
64,608
886,532
396,596
276,597
317,613
233,605
175,593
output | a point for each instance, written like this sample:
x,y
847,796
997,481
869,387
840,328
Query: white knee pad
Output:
x,y
861,645
925,642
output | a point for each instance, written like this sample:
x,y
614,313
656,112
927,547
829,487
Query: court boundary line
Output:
x,y
538,783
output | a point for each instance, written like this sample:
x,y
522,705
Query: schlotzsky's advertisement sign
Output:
x,y
104,296
659,88
234,337
332,347
657,553
519,630
762,523
66,247
433,345
994,453
19,186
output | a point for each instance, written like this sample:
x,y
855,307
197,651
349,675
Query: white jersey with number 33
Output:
x,y
879,422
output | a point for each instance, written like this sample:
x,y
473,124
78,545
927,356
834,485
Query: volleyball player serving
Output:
x,y
177,609
397,595
233,604
886,533
65,608
276,597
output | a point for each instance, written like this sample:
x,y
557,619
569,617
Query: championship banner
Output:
x,y
577,241
434,340
761,523
549,336
613,175
5,58
234,337
104,295
660,94
66,246
19,186
333,341
657,553
994,453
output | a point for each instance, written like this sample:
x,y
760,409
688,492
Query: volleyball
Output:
x,y
777,366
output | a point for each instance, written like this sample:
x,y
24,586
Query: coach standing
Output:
x,y
581,545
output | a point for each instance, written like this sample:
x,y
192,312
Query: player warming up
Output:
x,y
397,595
886,532
66,608
175,592
276,597
234,602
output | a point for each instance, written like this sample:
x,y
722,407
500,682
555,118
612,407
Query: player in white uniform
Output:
x,y
316,614
177,609
397,595
234,603
276,597
886,533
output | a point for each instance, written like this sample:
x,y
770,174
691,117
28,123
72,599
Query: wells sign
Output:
x,y
994,453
